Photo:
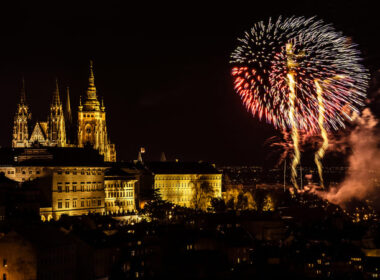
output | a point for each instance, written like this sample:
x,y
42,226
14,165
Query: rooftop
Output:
x,y
173,167
50,156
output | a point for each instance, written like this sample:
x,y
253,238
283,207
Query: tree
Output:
x,y
268,204
202,195
157,208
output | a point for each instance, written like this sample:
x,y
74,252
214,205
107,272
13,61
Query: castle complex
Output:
x,y
57,168
91,126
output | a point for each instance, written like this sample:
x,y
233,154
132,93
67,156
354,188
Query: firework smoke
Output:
x,y
364,162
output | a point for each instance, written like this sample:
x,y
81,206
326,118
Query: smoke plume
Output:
x,y
364,162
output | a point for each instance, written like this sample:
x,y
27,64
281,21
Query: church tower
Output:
x,y
20,124
56,133
69,125
92,128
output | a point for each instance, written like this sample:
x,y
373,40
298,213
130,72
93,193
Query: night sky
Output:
x,y
162,69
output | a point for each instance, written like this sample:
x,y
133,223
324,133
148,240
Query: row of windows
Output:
x,y
181,185
82,188
82,172
119,194
75,203
120,203
129,185
82,183
88,116
24,172
188,178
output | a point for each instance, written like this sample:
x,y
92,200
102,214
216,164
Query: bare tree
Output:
x,y
203,192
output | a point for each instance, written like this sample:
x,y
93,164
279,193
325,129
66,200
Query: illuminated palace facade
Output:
x,y
91,127
70,181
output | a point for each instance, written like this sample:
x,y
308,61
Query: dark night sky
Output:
x,y
162,70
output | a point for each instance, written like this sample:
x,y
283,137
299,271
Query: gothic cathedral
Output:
x,y
91,128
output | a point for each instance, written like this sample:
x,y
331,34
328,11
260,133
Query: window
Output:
x,y
67,188
23,172
99,202
74,203
38,172
67,172
82,203
67,203
4,276
59,204
30,172
74,188
59,188
5,263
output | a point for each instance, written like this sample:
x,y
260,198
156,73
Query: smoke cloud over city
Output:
x,y
364,162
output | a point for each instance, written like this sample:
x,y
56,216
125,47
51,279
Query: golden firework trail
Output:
x,y
321,119
295,138
291,64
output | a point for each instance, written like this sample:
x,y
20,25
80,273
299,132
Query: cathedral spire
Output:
x,y
69,117
20,124
23,95
56,99
91,90
103,108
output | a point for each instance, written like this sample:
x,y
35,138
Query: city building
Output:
x,y
186,183
57,130
119,188
71,180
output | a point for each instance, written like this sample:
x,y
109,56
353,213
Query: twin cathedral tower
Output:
x,y
57,131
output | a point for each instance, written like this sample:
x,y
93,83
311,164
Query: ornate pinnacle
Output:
x,y
91,90
56,99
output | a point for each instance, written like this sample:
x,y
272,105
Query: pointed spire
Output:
x,y
80,107
163,157
56,99
23,95
91,90
69,117
102,105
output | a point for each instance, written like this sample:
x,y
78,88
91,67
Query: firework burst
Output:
x,y
261,66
